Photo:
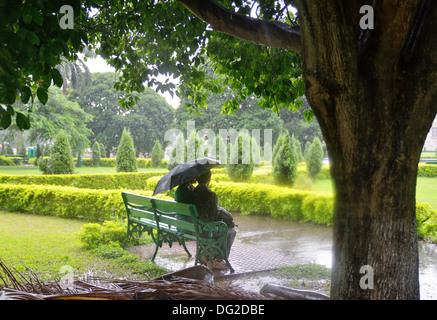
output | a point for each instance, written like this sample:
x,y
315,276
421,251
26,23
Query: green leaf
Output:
x,y
37,16
42,95
5,118
10,96
26,93
23,121
33,38
57,78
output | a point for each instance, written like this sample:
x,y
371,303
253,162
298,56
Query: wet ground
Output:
x,y
264,244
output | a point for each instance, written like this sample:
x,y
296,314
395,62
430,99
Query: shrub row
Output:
x,y
426,222
424,170
90,181
67,202
6,161
303,206
427,170
279,203
111,162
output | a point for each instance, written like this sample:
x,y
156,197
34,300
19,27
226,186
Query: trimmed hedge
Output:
x,y
427,170
128,180
111,162
280,203
426,222
6,161
67,202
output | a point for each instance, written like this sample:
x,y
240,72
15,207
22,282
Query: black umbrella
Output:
x,y
184,172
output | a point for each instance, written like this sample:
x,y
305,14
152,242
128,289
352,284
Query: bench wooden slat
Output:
x,y
174,207
181,225
132,199
136,213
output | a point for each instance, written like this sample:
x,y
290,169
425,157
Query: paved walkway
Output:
x,y
244,258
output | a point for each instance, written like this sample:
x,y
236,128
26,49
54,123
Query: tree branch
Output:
x,y
262,32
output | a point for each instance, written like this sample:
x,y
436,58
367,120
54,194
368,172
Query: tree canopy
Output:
x,y
146,120
169,40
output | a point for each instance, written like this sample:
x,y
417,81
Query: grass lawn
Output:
x,y
45,244
428,154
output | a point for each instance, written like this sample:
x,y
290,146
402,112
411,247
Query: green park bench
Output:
x,y
166,222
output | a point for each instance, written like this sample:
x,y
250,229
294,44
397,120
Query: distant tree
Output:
x,y
146,121
75,73
21,150
240,166
96,154
306,151
297,148
61,158
38,153
58,114
315,158
284,169
157,153
102,150
7,149
126,159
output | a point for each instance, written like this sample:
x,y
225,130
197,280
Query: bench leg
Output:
x,y
156,241
128,233
229,265
186,249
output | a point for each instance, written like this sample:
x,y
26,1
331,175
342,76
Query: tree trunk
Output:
x,y
374,95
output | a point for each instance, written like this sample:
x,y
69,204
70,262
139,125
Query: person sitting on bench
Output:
x,y
206,202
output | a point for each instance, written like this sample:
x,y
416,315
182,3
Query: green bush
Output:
x,y
427,170
284,169
123,180
240,166
112,162
93,235
297,148
4,161
126,159
67,202
263,199
96,154
318,208
315,158
61,159
426,220
157,154
43,165
7,149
